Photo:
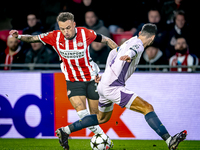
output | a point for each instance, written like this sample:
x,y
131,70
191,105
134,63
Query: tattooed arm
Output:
x,y
25,38
109,42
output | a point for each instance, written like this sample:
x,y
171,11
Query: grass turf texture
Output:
x,y
80,144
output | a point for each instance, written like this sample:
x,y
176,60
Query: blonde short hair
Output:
x,y
64,16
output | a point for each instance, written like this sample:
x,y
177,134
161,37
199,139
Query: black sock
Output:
x,y
154,122
87,121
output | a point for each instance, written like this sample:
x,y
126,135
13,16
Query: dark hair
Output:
x,y
64,16
154,9
32,13
149,30
179,12
92,10
180,37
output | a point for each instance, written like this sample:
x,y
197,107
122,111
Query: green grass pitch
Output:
x,y
80,144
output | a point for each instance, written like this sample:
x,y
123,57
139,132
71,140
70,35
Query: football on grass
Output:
x,y
100,142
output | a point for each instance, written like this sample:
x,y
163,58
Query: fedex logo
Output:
x,y
34,105
18,96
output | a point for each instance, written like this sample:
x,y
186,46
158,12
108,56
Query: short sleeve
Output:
x,y
91,35
47,38
133,50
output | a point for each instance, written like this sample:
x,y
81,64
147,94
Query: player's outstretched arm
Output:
x,y
109,42
25,38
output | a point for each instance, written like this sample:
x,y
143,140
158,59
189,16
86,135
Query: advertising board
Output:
x,y
34,105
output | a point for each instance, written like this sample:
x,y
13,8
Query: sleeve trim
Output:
x,y
98,38
41,40
134,50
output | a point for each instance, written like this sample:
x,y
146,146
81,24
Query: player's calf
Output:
x,y
95,129
155,123
103,117
87,121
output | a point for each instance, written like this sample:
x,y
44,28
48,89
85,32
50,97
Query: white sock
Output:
x,y
95,129
67,130
168,140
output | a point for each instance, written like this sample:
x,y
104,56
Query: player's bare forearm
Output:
x,y
25,38
30,38
109,42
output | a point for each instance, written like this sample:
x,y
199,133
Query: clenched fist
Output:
x,y
14,33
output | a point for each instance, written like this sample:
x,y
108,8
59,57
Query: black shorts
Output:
x,y
78,88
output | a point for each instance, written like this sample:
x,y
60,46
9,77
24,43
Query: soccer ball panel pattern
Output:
x,y
100,142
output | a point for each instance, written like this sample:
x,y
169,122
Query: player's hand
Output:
x,y
14,33
97,78
125,58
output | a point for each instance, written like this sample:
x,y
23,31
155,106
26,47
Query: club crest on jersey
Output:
x,y
135,47
80,44
68,92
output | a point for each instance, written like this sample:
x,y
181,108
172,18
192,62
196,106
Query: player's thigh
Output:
x,y
91,90
76,92
78,102
93,106
105,104
93,97
142,106
121,96
103,117
76,88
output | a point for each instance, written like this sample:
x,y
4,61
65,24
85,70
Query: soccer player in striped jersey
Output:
x,y
72,45
121,64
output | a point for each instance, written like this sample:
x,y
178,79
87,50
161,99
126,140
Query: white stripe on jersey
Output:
x,y
63,68
62,65
85,45
68,60
57,39
41,40
77,63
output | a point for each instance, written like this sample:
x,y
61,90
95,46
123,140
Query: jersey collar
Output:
x,y
73,36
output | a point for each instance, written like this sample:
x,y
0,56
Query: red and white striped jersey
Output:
x,y
77,64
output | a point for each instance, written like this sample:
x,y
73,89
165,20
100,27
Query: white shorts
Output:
x,y
108,95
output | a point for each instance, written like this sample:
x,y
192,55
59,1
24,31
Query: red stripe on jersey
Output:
x,y
70,74
85,69
78,75
79,41
71,45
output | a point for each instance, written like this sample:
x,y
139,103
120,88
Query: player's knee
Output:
x,y
149,108
79,106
